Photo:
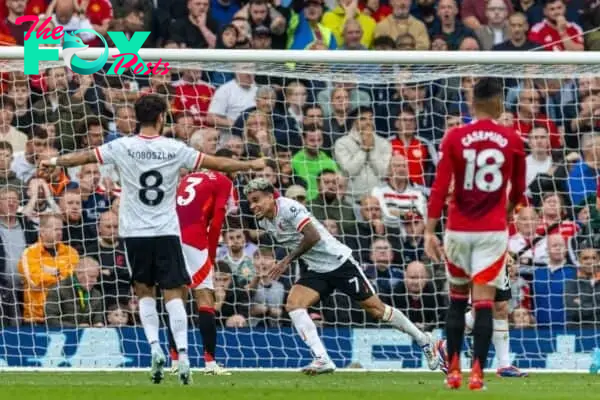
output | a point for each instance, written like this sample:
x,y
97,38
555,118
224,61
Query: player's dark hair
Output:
x,y
224,152
149,108
488,96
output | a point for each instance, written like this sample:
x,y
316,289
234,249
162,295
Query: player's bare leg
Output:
x,y
483,303
382,312
455,330
298,301
179,327
151,324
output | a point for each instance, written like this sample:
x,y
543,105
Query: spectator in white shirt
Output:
x,y
232,98
24,163
539,161
63,13
9,133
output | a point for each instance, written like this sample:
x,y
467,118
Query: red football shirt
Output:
x,y
33,7
97,12
202,202
194,99
546,35
483,157
416,152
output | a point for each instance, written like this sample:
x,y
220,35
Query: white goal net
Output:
x,y
70,304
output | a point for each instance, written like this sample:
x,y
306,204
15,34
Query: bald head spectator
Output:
x,y
353,34
450,28
359,234
401,22
109,252
413,243
529,114
197,30
469,43
475,13
516,39
362,155
329,203
205,140
496,30
417,297
382,272
74,302
65,15
348,10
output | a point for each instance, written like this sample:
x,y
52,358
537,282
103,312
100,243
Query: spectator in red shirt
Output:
x,y
419,153
374,9
100,14
193,95
555,33
529,115
10,33
553,218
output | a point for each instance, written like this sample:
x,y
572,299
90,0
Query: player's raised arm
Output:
x,y
224,164
71,160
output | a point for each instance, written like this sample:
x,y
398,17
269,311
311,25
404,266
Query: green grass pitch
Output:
x,y
287,386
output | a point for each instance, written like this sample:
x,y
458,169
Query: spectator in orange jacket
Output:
x,y
43,265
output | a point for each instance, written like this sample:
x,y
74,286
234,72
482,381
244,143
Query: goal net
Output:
x,y
366,180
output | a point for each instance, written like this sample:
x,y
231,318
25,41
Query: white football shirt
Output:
x,y
149,171
285,228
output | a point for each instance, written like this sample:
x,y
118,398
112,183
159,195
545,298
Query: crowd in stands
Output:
x,y
360,156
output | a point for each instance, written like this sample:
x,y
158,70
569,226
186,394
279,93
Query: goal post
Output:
x,y
553,98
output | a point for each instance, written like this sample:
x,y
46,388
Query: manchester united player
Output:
x,y
483,158
203,199
555,33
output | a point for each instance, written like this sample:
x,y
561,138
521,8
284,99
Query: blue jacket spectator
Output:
x,y
582,178
222,11
305,30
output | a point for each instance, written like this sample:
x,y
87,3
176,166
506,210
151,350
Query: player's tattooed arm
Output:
x,y
310,237
71,159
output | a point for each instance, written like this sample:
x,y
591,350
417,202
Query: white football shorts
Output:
x,y
200,267
477,257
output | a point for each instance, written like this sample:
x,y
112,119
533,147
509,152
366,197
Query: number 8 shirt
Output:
x,y
149,168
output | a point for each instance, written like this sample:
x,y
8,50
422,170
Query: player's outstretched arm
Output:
x,y
225,164
70,160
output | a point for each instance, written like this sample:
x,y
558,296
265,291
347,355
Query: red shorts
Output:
x,y
200,267
477,257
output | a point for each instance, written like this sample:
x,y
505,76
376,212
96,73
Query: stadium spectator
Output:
x,y
43,265
118,316
100,15
516,39
585,118
359,234
298,193
529,114
232,98
419,154
233,143
583,293
549,285
231,303
356,97
362,155
469,43
74,302
12,34
9,133
260,13
519,287
237,256
193,95
309,162
590,19
452,30
306,29
269,172
330,204
205,140
347,10
197,29
295,96
58,180
267,295
7,176
521,318
285,173
522,241
261,38
382,272
109,252
417,297
183,128
18,90
63,14
555,33
352,34
258,135
223,11
336,125
93,199
124,124
40,201
582,178
413,242
401,22
474,13
397,196
496,31
555,218
539,160
76,232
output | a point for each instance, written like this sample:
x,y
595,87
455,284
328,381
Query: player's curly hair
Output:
x,y
149,108
259,185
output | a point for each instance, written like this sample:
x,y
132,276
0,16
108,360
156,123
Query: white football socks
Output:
x,y
149,319
501,341
178,323
399,321
308,332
